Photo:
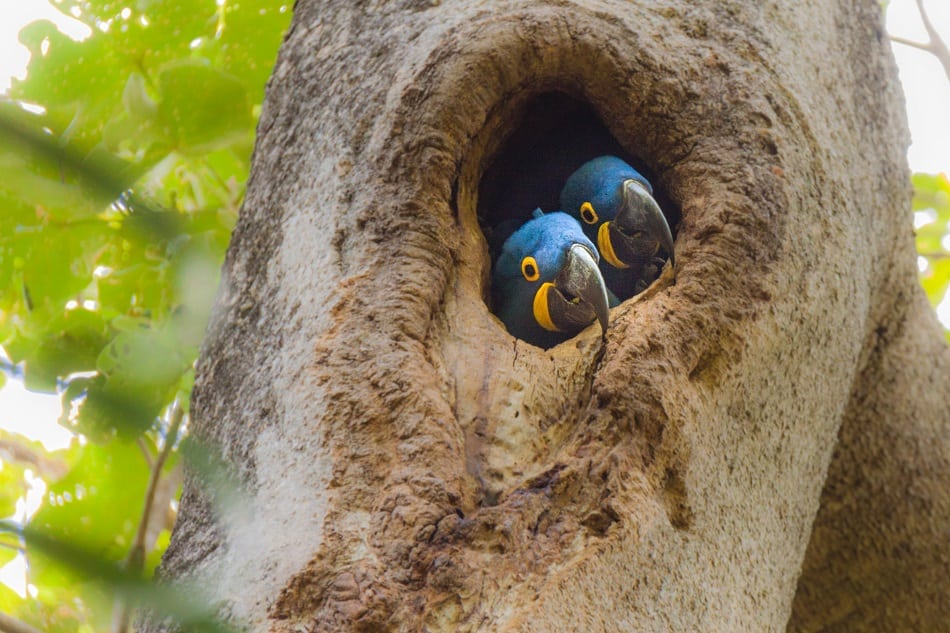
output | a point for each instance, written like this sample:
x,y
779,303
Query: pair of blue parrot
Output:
x,y
561,271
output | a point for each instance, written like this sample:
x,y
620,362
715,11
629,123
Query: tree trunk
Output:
x,y
763,436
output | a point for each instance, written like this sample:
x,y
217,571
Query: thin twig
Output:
x,y
924,46
934,45
9,624
136,558
140,442
939,46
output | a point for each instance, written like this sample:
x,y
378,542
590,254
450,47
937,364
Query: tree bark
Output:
x,y
404,464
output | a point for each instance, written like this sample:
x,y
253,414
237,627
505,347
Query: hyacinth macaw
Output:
x,y
614,204
546,283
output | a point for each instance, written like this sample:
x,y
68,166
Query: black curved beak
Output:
x,y
640,228
578,294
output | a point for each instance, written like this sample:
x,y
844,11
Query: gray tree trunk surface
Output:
x,y
760,445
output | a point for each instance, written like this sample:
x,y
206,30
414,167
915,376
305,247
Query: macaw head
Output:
x,y
614,204
546,283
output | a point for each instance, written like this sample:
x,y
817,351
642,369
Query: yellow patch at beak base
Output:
x,y
541,313
606,248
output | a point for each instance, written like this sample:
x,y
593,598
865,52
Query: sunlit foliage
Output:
x,y
932,211
124,158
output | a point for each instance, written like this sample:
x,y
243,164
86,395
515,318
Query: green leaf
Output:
x,y
10,600
936,279
17,455
70,343
143,357
182,603
116,208
136,99
12,489
202,108
96,506
250,37
59,264
140,372
7,553
154,557
40,170
29,142
932,197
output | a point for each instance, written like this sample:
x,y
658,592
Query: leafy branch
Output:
x,y
185,607
135,561
124,161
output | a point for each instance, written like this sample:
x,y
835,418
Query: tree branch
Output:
x,y
940,48
9,624
934,254
924,46
136,558
18,451
934,45
145,452
177,415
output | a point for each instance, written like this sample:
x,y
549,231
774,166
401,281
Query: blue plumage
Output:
x,y
614,204
545,282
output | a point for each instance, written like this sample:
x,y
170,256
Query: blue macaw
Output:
x,y
546,283
614,204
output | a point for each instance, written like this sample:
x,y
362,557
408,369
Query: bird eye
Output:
x,y
529,268
587,213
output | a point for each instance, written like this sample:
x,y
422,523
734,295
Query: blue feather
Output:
x,y
595,195
547,238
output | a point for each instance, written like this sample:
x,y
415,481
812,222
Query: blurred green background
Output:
x,y
124,158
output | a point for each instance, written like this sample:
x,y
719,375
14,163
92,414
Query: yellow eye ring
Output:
x,y
529,268
588,214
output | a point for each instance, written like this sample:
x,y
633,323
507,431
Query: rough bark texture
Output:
x,y
407,465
